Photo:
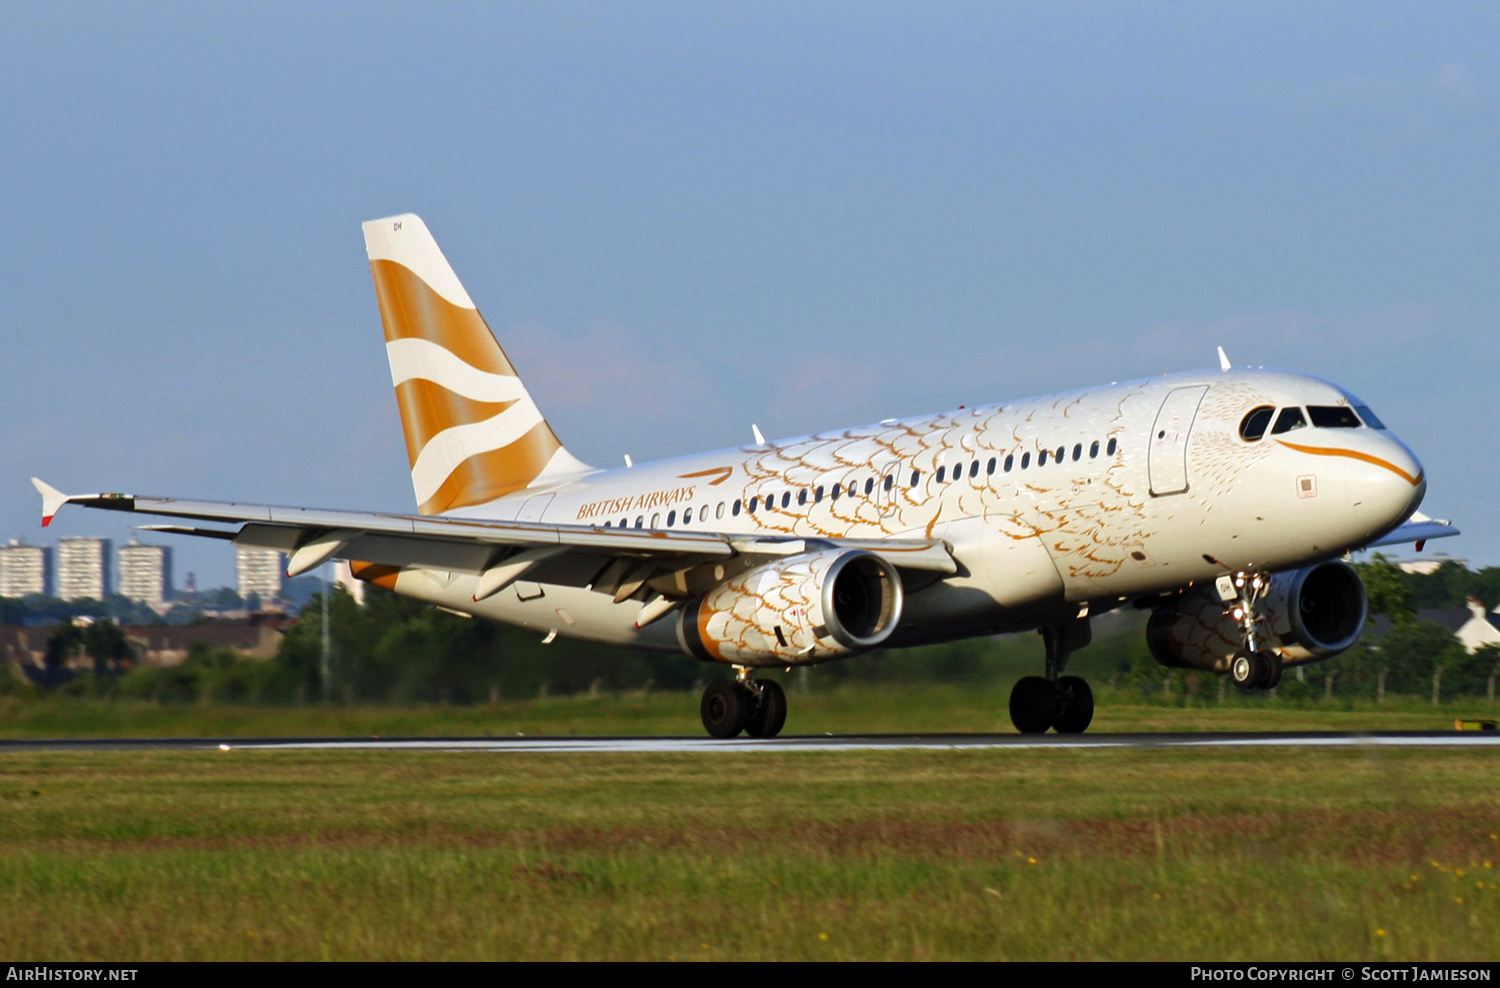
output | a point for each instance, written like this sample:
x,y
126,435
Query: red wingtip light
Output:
x,y
46,520
1420,542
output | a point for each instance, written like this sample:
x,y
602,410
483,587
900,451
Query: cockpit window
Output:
x,y
1369,417
1333,417
1255,423
1289,419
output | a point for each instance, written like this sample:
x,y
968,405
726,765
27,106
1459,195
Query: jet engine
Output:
x,y
801,609
1307,615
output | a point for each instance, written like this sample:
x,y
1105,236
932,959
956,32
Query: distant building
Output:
x,y
145,573
260,572
345,576
1472,626
25,569
1429,565
83,568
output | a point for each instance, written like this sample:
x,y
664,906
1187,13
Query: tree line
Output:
x,y
397,650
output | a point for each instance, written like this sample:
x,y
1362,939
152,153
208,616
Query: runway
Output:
x,y
868,742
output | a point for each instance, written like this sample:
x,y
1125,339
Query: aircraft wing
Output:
x,y
1418,528
310,537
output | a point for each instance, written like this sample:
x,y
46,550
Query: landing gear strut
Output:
x,y
755,706
1055,701
1252,667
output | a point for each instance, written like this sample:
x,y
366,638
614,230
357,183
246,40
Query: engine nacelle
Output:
x,y
1311,614
802,609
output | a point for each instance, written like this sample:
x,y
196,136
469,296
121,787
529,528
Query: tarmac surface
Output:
x,y
865,742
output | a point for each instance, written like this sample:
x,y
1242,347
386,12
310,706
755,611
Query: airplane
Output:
x,y
1221,500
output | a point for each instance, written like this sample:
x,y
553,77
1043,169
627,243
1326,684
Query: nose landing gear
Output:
x,y
1065,703
1252,667
756,707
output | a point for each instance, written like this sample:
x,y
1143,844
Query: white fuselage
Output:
x,y
1050,505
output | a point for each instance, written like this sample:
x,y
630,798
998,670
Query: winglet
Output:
x,y
1223,360
52,499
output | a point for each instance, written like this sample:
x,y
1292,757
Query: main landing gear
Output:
x,y
1062,702
1252,667
755,706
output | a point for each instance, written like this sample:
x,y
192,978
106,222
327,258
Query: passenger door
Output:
x,y
1167,459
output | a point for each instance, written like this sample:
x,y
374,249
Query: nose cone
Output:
x,y
1385,484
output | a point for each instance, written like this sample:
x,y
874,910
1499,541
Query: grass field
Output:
x,y
887,709
1135,854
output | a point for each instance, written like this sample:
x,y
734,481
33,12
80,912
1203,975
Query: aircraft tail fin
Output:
x,y
472,431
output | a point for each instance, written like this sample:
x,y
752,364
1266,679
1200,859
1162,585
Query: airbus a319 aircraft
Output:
x,y
1221,500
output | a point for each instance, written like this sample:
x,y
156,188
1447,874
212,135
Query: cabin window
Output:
x,y
1253,426
671,519
802,496
735,510
1113,445
1369,417
1289,419
606,524
1025,461
1010,461
989,471
837,489
754,501
1058,456
786,499
719,511
916,477
890,481
1077,452
640,521
869,485
1041,458
974,469
1333,417
942,471
1094,449
818,495
656,520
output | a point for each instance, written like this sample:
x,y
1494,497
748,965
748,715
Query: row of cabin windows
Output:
x,y
853,487
1253,425
1058,455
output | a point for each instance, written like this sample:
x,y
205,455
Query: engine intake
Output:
x,y
802,609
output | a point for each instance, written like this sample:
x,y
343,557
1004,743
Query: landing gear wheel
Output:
x,y
725,708
769,711
1033,705
1075,705
1245,669
1273,670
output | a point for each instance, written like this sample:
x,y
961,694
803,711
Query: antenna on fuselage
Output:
x,y
760,440
1223,360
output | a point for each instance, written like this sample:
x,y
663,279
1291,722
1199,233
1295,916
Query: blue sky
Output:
x,y
682,218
